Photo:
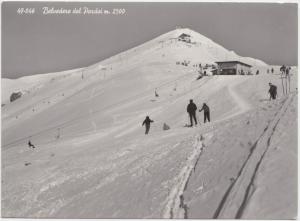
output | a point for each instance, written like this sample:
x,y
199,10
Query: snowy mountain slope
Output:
x,y
166,49
130,172
200,50
92,159
29,84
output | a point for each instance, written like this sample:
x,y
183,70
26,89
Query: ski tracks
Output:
x,y
242,105
239,192
175,207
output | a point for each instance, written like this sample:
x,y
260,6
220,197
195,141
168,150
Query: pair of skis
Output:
x,y
286,85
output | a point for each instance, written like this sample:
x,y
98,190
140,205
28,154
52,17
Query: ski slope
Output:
x,y
92,159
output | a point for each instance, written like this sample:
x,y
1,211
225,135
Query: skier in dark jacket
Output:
x,y
287,71
191,109
147,122
273,91
283,69
205,108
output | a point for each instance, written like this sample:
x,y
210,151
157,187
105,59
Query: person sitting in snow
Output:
x,y
191,109
147,122
205,108
166,127
272,91
30,145
156,94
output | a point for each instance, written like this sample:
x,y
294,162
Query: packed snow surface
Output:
x,y
92,159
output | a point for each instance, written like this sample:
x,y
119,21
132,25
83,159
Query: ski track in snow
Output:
x,y
242,184
174,207
242,104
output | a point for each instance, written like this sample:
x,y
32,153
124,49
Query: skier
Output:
x,y
272,70
156,94
30,145
191,109
287,71
272,91
283,68
147,122
205,108
257,72
287,78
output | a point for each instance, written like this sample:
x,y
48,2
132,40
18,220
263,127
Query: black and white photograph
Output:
x,y
149,110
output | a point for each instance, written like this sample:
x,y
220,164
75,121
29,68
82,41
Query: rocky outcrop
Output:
x,y
15,95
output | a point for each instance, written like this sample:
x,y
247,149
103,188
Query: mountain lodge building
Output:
x,y
233,68
184,37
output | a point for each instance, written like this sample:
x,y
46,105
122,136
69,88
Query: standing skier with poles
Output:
x,y
205,108
282,70
191,109
287,74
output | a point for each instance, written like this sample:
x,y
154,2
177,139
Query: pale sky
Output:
x,y
37,43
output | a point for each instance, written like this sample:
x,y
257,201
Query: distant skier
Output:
x,y
283,68
147,122
272,70
191,109
257,72
287,71
30,145
205,108
156,94
272,91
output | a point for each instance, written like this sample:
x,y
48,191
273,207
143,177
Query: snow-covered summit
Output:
x,y
169,47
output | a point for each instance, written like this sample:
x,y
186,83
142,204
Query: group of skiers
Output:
x,y
191,109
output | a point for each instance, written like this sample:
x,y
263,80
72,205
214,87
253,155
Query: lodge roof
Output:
x,y
234,62
183,35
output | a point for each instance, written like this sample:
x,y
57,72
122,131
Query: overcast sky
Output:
x,y
37,43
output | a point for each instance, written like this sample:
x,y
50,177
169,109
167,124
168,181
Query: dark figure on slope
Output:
x,y
191,109
273,91
147,122
283,69
205,108
30,145
287,71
